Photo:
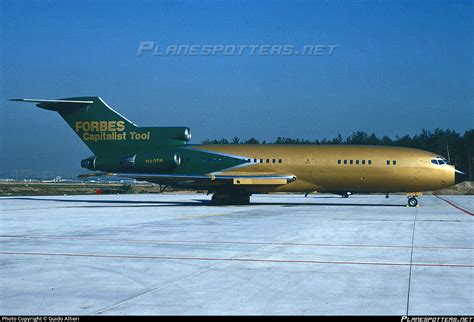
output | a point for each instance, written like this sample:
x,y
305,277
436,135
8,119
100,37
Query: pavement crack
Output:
x,y
156,289
411,262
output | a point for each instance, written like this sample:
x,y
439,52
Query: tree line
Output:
x,y
457,148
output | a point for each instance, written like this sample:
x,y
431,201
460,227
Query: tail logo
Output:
x,y
96,131
100,126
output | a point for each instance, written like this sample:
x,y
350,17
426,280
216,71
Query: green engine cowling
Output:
x,y
152,162
148,162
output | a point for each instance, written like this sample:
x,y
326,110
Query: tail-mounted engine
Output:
x,y
152,162
149,162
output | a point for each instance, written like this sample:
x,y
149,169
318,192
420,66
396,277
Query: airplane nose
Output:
x,y
459,177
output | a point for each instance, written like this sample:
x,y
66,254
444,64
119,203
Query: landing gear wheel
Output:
x,y
215,200
230,199
345,195
412,202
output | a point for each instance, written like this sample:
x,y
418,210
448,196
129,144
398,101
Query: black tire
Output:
x,y
412,202
230,199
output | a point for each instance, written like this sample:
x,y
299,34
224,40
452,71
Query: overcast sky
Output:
x,y
394,68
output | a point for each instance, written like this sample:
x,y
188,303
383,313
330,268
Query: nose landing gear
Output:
x,y
412,202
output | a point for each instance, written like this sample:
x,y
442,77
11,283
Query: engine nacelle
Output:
x,y
153,162
101,163
148,162
187,134
183,134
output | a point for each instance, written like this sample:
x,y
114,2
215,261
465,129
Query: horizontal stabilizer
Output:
x,y
107,132
54,104
34,100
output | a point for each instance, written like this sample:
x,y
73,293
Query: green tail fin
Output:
x,y
106,132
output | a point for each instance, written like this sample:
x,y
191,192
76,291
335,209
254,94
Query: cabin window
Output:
x,y
388,162
351,162
279,160
268,160
394,162
345,161
338,161
357,161
369,162
255,160
363,161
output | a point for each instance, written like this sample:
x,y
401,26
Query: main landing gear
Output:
x,y
240,198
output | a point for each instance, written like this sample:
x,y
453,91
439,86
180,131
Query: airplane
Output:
x,y
233,172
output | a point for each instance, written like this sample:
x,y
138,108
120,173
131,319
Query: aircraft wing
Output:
x,y
209,179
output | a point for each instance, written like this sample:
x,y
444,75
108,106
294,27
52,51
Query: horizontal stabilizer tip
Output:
x,y
34,100
55,105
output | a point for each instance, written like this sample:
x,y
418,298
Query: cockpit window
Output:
x,y
439,161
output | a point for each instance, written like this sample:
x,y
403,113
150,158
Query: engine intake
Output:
x,y
128,162
183,134
187,134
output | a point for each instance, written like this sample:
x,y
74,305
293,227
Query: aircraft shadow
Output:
x,y
196,202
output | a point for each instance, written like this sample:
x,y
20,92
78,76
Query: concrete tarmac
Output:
x,y
284,254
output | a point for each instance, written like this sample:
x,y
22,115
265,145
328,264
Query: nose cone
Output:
x,y
459,177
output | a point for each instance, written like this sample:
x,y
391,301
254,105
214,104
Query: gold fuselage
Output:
x,y
322,167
